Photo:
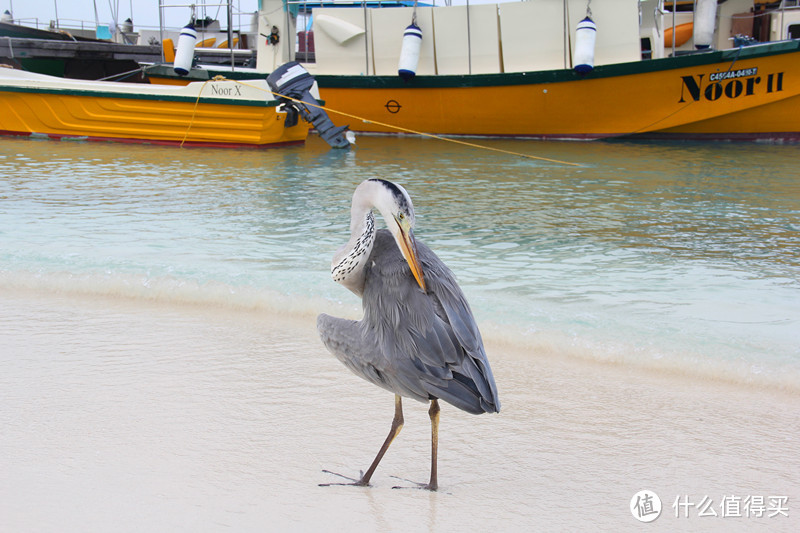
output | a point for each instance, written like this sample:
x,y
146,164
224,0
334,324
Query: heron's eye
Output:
x,y
401,216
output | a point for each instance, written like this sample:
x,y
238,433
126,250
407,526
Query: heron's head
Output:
x,y
395,206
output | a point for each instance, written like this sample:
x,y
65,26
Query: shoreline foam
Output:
x,y
539,344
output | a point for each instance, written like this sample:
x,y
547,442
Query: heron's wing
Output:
x,y
451,308
345,340
429,341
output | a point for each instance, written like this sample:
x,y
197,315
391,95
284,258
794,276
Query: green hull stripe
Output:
x,y
130,96
327,81
338,81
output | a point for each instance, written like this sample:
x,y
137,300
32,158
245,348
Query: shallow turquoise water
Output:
x,y
683,256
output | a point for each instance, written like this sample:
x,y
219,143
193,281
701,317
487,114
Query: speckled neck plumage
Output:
x,y
349,268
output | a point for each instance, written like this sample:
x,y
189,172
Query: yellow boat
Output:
x,y
511,73
749,93
212,113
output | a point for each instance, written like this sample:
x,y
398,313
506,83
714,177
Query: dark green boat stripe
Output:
x,y
449,81
560,75
129,96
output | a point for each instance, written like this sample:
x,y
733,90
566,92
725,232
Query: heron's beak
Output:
x,y
408,246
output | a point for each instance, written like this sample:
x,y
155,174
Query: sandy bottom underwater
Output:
x,y
119,415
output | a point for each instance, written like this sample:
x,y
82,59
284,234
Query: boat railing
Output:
x,y
31,22
198,11
75,27
56,24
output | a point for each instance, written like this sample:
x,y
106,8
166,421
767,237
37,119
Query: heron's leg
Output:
x,y
433,412
397,425
433,484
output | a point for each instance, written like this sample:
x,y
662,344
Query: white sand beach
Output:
x,y
123,415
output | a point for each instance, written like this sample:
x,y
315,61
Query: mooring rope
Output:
x,y
197,101
383,124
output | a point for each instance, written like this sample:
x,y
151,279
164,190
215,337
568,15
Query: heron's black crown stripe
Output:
x,y
396,192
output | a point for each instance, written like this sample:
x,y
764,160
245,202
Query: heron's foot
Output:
x,y
353,482
416,485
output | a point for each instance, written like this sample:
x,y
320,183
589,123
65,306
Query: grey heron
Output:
x,y
418,338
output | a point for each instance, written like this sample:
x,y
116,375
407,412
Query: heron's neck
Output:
x,y
348,264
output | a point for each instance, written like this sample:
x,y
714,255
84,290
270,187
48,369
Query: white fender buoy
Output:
x,y
585,36
409,53
705,18
185,52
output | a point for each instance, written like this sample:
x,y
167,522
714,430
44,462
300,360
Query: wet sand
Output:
x,y
120,415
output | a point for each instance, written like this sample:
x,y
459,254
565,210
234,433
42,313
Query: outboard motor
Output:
x,y
294,81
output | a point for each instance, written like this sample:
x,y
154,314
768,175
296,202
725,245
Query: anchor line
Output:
x,y
369,121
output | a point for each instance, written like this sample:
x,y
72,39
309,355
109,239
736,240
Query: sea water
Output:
x,y
680,256
161,372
